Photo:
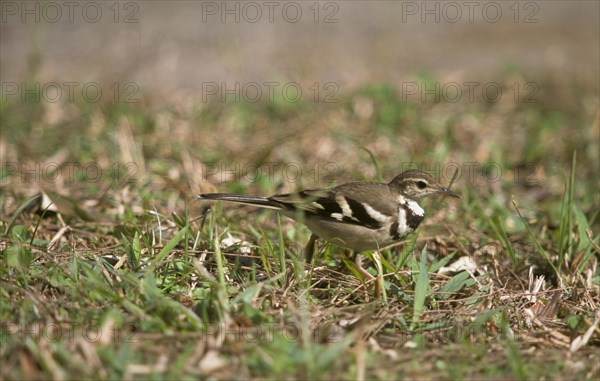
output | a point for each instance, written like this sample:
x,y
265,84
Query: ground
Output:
x,y
110,268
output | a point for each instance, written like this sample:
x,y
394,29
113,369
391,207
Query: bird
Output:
x,y
359,216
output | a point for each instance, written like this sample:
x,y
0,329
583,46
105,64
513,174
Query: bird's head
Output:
x,y
416,184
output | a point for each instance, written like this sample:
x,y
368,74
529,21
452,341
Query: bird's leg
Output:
x,y
367,275
379,280
309,250
362,270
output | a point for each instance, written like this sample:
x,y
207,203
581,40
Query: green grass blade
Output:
x,y
282,263
24,206
566,217
406,252
374,161
166,250
454,285
537,243
421,288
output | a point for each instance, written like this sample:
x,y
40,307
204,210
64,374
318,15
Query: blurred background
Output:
x,y
198,88
174,47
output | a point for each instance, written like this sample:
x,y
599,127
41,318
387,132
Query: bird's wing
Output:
x,y
308,201
350,203
376,195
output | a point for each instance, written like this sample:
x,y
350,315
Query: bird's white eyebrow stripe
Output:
x,y
374,214
415,179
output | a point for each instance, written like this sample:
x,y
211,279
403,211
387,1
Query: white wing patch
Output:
x,y
341,200
416,208
316,205
377,216
337,216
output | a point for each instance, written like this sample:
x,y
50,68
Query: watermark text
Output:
x,y
470,11
270,11
69,91
70,171
470,92
68,332
291,172
252,92
53,12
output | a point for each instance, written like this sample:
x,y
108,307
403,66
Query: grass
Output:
x,y
126,276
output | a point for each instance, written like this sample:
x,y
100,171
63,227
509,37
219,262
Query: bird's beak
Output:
x,y
448,192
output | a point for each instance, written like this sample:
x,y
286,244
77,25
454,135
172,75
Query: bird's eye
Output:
x,y
421,184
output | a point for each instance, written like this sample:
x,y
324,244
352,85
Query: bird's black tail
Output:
x,y
263,202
